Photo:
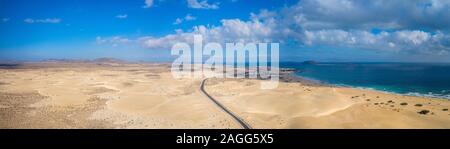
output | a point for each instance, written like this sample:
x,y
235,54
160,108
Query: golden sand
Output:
x,y
294,105
92,95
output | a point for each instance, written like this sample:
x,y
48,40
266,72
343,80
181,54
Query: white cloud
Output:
x,y
113,41
203,4
384,14
122,16
178,21
349,23
28,20
188,17
5,19
47,20
231,30
413,37
148,3
414,41
277,26
325,22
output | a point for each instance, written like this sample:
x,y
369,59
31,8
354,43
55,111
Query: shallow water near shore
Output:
x,y
417,79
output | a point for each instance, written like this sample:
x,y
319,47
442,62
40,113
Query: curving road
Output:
x,y
239,120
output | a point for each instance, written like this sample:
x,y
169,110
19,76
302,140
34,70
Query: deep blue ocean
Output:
x,y
418,79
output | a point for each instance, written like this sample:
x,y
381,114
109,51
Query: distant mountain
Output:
x,y
107,60
98,60
64,60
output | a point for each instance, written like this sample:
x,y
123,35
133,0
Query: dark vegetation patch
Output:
x,y
424,112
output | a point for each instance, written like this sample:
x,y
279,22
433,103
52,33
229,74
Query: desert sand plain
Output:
x,y
145,95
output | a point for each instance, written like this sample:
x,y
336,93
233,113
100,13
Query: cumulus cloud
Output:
x,y
349,23
386,14
148,3
414,41
203,4
122,16
230,30
404,26
47,20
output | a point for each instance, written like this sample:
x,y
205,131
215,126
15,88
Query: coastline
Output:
x,y
292,77
145,95
302,103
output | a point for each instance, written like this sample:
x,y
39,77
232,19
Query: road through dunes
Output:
x,y
239,120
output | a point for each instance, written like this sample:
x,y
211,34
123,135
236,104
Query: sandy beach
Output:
x,y
145,95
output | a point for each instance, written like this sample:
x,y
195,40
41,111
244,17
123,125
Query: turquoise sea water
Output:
x,y
419,79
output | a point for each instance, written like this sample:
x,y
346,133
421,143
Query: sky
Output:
x,y
145,30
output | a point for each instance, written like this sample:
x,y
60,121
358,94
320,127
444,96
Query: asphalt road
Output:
x,y
235,117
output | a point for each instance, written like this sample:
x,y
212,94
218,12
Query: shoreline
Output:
x,y
291,77
287,74
119,95
296,104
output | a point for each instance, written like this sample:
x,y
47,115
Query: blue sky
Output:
x,y
325,30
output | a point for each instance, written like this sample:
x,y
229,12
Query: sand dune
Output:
x,y
121,95
131,96
294,105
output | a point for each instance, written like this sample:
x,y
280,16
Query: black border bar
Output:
x,y
281,137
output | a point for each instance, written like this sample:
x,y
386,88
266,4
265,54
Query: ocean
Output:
x,y
417,79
